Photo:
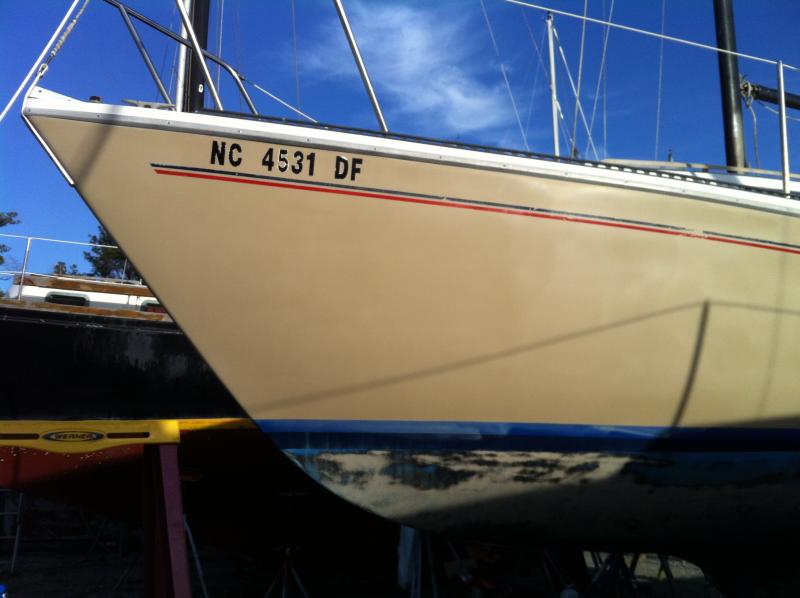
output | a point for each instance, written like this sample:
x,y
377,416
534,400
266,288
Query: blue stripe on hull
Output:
x,y
355,435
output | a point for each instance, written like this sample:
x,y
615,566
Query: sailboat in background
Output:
x,y
493,343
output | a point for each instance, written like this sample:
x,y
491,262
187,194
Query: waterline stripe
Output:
x,y
365,435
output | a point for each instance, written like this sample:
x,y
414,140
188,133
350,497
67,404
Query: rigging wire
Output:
x,y
173,70
605,93
541,69
531,74
294,48
280,101
574,91
650,33
237,43
774,111
562,125
40,67
562,122
220,17
660,77
748,101
57,48
574,150
183,56
602,77
529,70
605,112
166,52
533,41
505,77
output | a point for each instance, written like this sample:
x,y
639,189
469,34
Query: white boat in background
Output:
x,y
84,291
487,342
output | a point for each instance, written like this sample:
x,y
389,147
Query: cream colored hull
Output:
x,y
433,290
317,306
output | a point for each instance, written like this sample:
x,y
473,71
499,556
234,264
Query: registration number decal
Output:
x,y
285,160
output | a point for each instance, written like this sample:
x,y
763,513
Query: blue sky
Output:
x,y
435,70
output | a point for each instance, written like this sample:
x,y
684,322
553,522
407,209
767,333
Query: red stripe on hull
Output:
x,y
478,208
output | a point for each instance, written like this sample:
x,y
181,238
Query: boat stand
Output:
x,y
166,570
166,565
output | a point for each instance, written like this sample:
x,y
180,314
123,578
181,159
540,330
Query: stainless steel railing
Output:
x,y
780,65
26,270
238,78
128,14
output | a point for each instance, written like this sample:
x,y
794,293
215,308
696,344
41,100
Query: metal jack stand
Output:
x,y
613,576
285,576
416,563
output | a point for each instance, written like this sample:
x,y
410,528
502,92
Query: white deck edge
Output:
x,y
42,102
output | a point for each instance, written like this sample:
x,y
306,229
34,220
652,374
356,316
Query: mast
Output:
x,y
182,70
194,92
553,95
729,83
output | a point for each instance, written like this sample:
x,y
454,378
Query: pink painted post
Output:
x,y
166,558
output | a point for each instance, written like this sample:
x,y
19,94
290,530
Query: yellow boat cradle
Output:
x,y
85,436
163,517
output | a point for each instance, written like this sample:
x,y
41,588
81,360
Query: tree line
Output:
x,y
6,218
104,262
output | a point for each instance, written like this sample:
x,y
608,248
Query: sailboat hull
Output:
x,y
422,297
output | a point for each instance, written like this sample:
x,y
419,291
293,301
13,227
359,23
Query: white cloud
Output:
x,y
429,67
